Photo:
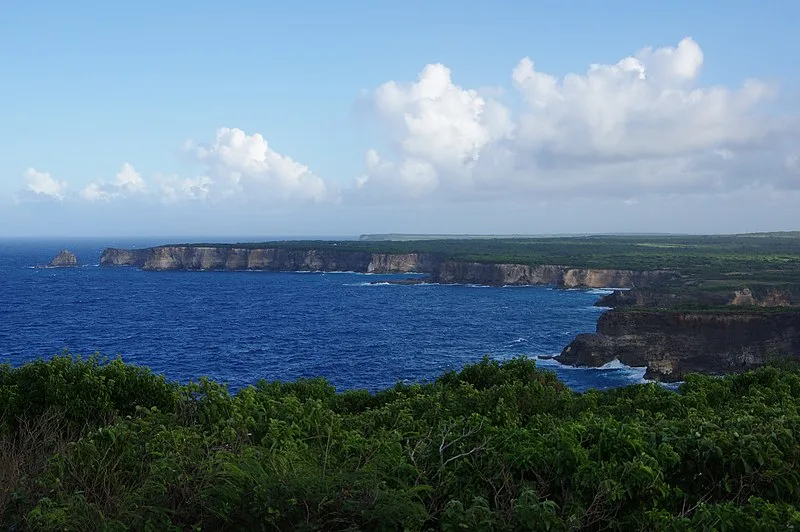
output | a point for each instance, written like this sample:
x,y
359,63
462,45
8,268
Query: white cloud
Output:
x,y
640,125
241,164
42,184
641,107
440,129
174,189
128,182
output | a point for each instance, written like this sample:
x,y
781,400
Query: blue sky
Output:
x,y
196,118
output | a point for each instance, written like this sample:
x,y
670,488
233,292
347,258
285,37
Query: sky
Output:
x,y
340,118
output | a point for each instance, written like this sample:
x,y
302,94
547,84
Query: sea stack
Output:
x,y
65,259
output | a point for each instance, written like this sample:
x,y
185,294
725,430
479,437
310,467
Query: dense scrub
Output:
x,y
88,446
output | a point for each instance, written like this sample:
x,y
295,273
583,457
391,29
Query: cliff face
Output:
x,y
269,259
123,257
496,274
672,344
772,297
520,274
278,259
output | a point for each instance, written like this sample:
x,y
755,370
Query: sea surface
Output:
x,y
240,327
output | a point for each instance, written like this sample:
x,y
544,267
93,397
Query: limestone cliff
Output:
x,y
672,344
123,257
282,259
686,297
521,274
772,297
270,259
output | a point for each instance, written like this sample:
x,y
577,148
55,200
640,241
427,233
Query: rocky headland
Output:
x,y
200,258
65,259
686,297
673,343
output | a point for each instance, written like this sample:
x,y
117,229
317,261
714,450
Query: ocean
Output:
x,y
239,327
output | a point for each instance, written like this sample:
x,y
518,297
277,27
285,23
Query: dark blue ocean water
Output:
x,y
239,327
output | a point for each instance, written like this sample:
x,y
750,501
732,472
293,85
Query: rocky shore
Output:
x,y
673,343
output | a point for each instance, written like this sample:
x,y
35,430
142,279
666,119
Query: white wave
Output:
x,y
594,308
353,272
601,291
388,283
616,364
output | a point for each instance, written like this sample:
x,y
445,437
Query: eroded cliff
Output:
x,y
521,274
672,344
687,297
280,259
270,259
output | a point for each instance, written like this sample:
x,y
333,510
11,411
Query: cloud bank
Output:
x,y
644,125
641,125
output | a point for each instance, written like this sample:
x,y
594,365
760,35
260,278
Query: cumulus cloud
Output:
x,y
43,185
237,166
644,106
643,124
240,164
127,182
174,189
440,129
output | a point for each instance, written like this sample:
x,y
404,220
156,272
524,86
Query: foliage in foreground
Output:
x,y
86,445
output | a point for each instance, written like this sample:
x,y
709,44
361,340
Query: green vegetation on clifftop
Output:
x,y
770,255
86,445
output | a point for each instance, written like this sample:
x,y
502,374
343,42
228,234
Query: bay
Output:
x,y
240,327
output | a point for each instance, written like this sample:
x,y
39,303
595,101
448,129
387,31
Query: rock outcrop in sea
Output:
x,y
672,344
64,259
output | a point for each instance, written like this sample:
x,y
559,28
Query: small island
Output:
x,y
65,259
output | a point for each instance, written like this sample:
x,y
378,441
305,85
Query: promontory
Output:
x,y
436,265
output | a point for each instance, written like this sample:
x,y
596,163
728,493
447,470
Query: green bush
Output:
x,y
88,444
